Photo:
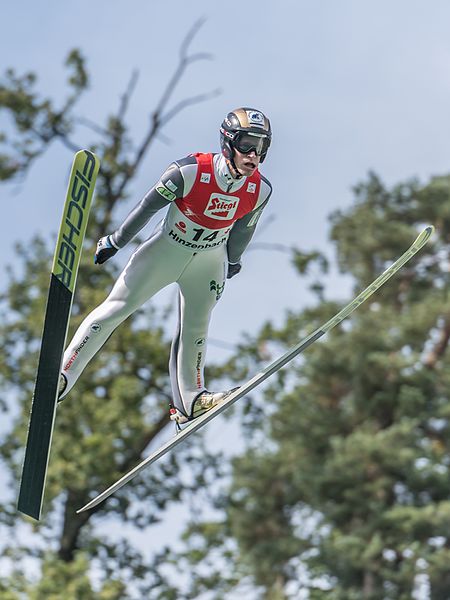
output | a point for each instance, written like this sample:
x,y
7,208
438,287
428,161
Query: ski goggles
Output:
x,y
246,142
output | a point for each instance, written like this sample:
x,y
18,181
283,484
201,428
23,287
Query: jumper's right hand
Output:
x,y
105,250
233,269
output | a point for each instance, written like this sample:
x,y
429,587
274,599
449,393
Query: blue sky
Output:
x,y
349,86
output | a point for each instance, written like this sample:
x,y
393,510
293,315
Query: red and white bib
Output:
x,y
203,218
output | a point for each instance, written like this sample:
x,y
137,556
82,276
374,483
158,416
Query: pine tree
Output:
x,y
343,491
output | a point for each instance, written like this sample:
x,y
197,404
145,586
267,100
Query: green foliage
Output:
x,y
343,489
71,581
119,407
36,121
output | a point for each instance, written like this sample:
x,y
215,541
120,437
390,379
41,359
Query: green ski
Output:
x,y
59,303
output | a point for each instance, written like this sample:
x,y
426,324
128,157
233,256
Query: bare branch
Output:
x,y
158,119
271,247
439,348
142,444
262,226
190,36
46,141
188,102
222,344
199,56
71,101
184,62
69,144
91,125
127,95
74,523
163,138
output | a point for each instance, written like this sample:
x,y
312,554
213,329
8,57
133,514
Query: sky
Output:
x,y
349,87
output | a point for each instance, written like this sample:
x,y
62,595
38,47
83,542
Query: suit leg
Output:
x,y
154,265
201,286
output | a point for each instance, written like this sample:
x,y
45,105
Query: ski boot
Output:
x,y
203,402
61,386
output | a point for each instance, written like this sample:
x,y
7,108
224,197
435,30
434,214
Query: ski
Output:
x,y
195,425
66,261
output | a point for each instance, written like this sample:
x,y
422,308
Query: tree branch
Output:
x,y
125,100
187,102
158,119
439,348
91,125
142,444
272,247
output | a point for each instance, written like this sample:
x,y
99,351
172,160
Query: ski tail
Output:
x,y
59,303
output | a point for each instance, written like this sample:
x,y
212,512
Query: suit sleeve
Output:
x,y
169,188
244,228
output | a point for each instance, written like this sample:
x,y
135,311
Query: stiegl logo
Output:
x,y
74,221
221,207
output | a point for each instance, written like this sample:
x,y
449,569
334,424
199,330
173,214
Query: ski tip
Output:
x,y
83,151
424,236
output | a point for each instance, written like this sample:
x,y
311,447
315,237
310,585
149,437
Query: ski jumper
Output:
x,y
210,220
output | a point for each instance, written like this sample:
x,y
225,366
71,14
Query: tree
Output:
x,y
343,490
118,408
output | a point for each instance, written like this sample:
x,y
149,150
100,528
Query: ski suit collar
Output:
x,y
223,175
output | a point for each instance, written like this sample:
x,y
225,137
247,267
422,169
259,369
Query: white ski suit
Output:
x,y
210,221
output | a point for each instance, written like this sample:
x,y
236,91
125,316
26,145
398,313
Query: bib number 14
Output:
x,y
208,238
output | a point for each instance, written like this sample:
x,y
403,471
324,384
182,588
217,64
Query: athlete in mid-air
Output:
x,y
215,201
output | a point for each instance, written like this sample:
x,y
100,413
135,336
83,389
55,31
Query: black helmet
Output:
x,y
245,129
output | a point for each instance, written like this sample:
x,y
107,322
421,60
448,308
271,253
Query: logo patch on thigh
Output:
x,y
217,288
